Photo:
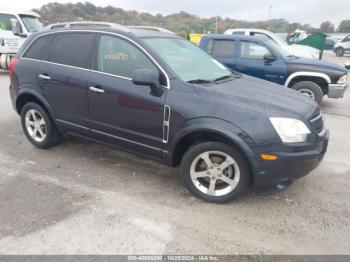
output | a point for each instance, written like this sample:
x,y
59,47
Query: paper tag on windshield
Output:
x,y
218,63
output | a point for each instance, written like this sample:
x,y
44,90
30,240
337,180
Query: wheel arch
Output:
x,y
29,95
202,133
339,47
320,79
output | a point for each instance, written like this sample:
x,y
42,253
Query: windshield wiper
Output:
x,y
200,81
223,78
231,77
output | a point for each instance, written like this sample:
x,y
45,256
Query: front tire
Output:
x,y
215,172
310,89
340,52
38,127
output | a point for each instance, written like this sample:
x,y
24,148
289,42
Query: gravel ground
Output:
x,y
85,198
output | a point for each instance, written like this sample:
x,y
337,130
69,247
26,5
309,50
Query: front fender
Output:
x,y
307,74
221,128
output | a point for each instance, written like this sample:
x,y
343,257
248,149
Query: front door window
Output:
x,y
251,50
120,58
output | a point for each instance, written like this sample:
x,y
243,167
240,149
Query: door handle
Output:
x,y
45,77
241,67
96,89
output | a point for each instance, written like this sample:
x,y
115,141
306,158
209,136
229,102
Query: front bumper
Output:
x,y
336,90
293,162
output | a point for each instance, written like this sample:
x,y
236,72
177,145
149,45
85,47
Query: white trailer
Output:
x,y
15,27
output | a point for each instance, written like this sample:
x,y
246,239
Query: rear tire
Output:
x,y
215,172
38,126
340,51
310,89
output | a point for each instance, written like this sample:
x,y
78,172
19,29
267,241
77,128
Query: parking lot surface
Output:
x,y
85,198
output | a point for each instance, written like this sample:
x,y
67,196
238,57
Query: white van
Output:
x,y
342,47
15,27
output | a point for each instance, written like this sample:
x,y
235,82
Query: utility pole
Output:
x,y
270,12
216,24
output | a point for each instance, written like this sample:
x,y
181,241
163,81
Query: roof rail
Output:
x,y
79,24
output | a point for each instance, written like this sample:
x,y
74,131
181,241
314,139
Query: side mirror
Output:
x,y
17,28
147,77
269,57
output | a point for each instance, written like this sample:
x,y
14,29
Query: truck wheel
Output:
x,y
310,89
215,172
340,51
38,127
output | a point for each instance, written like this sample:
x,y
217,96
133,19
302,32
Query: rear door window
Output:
x,y
5,22
40,49
222,48
73,49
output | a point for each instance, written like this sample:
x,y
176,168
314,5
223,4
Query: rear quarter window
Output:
x,y
73,49
40,48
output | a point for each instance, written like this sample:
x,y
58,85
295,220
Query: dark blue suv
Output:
x,y
159,95
265,59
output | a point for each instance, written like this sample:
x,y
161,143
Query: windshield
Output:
x,y
188,61
31,23
346,38
282,51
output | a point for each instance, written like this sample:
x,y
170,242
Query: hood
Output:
x,y
303,51
264,97
317,63
303,47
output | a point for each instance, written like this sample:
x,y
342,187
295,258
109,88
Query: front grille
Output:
x,y
317,123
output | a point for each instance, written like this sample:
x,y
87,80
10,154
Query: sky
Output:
x,y
304,11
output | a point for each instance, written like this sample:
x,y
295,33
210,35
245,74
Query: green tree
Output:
x,y
327,27
344,26
181,23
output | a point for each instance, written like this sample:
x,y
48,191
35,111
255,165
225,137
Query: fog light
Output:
x,y
268,157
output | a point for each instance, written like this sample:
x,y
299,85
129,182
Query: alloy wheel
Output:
x,y
36,125
215,173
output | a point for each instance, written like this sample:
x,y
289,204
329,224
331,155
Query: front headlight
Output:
x,y
343,80
290,130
